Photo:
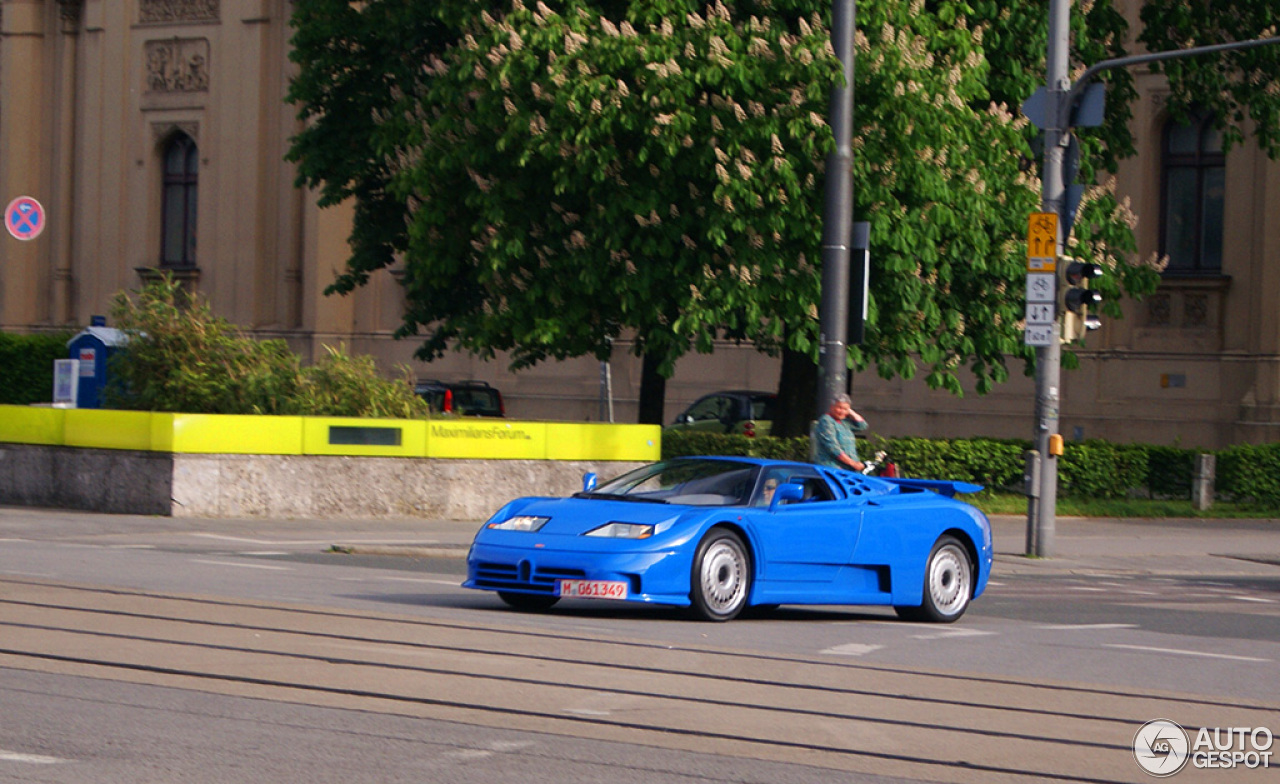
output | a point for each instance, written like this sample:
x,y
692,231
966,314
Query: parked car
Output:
x,y
733,411
468,398
720,534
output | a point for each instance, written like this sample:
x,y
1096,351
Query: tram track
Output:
x,y
842,715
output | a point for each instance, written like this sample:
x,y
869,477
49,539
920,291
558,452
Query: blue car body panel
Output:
x,y
859,540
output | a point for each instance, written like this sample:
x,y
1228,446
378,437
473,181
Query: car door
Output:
x,y
808,540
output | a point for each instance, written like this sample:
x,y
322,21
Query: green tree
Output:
x,y
561,174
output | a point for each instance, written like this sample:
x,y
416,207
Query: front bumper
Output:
x,y
655,577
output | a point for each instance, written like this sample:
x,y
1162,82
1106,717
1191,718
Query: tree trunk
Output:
x,y
797,395
653,392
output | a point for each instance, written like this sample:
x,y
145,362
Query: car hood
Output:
x,y
574,516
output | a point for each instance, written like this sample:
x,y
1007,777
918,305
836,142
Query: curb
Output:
x,y
458,551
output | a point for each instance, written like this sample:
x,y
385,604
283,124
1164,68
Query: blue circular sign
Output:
x,y
24,218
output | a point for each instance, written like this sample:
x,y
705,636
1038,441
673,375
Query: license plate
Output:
x,y
593,589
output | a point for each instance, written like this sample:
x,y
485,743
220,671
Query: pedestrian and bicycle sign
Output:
x,y
1042,279
24,218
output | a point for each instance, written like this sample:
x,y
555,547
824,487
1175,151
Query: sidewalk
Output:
x,y
1142,546
1081,545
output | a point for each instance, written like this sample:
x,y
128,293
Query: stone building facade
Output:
x,y
154,133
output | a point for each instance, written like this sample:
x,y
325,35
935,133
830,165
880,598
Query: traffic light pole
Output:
x,y
1041,509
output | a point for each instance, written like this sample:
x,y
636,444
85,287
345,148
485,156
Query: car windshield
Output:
x,y
688,481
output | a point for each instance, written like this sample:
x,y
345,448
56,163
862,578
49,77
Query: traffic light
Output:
x,y
1074,298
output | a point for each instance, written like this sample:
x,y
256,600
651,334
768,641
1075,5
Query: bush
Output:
x,y
343,385
682,443
1097,469
1250,474
26,366
182,358
1092,469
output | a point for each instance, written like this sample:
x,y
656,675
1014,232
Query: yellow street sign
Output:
x,y
1042,242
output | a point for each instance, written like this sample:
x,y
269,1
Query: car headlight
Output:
x,y
622,531
520,523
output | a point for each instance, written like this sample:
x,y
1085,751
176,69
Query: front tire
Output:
x,y
948,584
528,602
721,576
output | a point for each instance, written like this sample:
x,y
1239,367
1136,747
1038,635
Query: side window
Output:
x,y
178,217
1193,182
815,488
709,409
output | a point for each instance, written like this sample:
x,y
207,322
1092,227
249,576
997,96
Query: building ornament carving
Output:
x,y
161,11
178,65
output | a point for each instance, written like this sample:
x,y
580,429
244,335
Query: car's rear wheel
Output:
x,y
721,576
948,584
527,601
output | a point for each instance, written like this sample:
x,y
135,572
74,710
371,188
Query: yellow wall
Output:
x,y
491,439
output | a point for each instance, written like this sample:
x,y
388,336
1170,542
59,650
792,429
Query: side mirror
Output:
x,y
787,492
588,481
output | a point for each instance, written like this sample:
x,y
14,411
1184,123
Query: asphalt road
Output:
x,y
149,649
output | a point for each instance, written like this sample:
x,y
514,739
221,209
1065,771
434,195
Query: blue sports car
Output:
x,y
719,534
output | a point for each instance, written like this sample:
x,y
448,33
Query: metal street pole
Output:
x,y
1049,358
837,216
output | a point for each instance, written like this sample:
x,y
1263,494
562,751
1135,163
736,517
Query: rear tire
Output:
x,y
720,580
528,602
948,584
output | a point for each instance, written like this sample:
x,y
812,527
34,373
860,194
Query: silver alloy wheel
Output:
x,y
723,576
949,580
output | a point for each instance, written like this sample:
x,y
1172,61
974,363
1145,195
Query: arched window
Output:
x,y
1193,169
181,173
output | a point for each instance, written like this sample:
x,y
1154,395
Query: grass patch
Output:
x,y
1012,504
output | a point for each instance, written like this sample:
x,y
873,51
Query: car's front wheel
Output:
x,y
527,601
948,584
721,576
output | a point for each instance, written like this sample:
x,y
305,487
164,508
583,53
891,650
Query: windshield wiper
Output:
x,y
635,499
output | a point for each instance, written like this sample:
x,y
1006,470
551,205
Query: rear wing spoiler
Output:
x,y
945,487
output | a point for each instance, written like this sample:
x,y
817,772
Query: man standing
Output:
x,y
833,443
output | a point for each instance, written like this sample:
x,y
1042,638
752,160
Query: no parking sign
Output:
x,y
24,218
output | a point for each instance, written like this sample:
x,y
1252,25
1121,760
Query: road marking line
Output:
x,y
244,565
852,649
278,542
453,583
587,712
32,759
1070,627
131,547
1179,652
952,633
1254,599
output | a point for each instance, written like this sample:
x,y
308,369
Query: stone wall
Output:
x,y
270,486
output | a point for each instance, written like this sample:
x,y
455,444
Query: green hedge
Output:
x,y
26,366
1089,469
1249,473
